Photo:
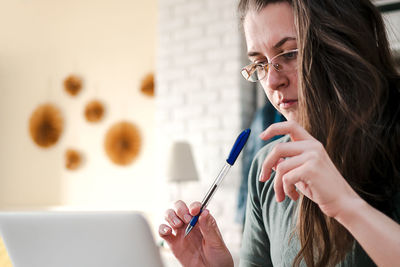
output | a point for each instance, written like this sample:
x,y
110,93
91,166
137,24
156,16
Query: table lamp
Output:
x,y
180,166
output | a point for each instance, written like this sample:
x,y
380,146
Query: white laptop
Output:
x,y
78,239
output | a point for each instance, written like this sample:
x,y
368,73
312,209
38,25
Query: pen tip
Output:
x,y
188,229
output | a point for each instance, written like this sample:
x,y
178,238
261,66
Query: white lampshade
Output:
x,y
180,165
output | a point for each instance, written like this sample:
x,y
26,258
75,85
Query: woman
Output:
x,y
326,66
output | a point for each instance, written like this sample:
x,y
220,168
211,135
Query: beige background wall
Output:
x,y
111,44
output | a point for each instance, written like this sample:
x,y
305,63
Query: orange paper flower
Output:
x,y
94,111
73,85
46,125
122,143
147,86
73,159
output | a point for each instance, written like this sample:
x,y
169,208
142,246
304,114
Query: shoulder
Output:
x,y
264,212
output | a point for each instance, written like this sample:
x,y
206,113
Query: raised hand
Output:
x,y
304,166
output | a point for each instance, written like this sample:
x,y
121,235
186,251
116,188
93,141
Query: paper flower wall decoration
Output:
x,y
94,111
73,85
73,159
122,143
147,86
46,125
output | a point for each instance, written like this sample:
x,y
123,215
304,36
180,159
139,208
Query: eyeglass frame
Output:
x,y
265,66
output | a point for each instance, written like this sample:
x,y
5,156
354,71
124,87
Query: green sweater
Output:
x,y
269,224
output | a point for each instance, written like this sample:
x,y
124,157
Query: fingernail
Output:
x,y
187,218
261,176
204,213
280,199
176,221
165,230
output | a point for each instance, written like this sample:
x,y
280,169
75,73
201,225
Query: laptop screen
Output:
x,y
65,239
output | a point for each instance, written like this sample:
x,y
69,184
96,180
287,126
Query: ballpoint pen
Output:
x,y
235,151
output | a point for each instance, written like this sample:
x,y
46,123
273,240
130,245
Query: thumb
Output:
x,y
209,229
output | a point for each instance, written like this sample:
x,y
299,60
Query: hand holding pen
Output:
x,y
204,245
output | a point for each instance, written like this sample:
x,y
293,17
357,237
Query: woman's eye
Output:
x,y
261,63
290,55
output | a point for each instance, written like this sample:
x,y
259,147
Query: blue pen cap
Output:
x,y
238,146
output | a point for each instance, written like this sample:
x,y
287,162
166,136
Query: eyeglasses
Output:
x,y
285,62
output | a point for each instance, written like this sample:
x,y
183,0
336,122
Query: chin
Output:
x,y
291,116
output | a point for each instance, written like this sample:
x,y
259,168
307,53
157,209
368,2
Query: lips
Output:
x,y
287,103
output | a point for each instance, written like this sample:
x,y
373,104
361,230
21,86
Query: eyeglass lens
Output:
x,y
285,62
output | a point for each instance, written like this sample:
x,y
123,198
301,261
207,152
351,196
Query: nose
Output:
x,y
276,80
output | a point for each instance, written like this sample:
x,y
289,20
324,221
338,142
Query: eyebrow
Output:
x,y
276,46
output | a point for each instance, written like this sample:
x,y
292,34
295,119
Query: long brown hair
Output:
x,y
349,101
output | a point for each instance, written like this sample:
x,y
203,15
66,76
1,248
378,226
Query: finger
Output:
x,y
292,128
290,190
194,208
282,150
284,167
209,229
182,211
285,185
297,177
276,165
294,195
290,163
164,230
278,188
301,186
172,219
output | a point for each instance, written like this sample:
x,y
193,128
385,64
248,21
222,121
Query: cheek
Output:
x,y
270,96
268,92
294,82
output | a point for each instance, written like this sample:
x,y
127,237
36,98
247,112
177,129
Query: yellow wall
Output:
x,y
111,44
4,259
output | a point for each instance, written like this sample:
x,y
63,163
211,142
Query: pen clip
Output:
x,y
238,146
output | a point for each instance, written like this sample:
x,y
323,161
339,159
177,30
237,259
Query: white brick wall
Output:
x,y
200,96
